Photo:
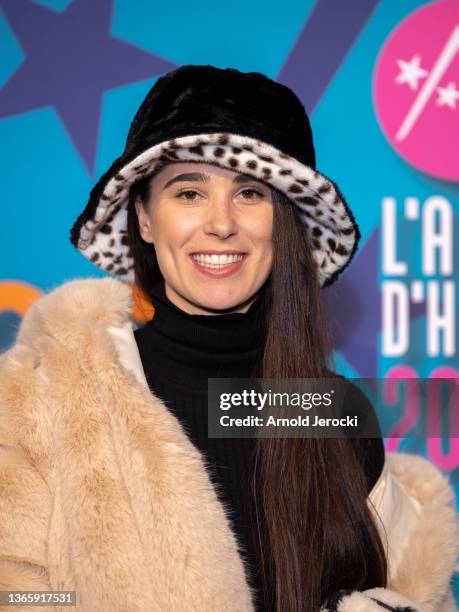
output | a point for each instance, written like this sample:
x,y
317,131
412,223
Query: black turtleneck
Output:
x,y
179,352
199,346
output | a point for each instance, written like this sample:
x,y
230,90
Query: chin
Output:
x,y
220,304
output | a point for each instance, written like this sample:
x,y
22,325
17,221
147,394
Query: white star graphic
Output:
x,y
448,95
410,72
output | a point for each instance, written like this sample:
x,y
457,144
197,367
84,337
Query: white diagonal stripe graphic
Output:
x,y
442,64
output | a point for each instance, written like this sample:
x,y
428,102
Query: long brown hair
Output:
x,y
310,494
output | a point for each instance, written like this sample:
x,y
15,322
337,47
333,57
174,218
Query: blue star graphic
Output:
x,y
71,60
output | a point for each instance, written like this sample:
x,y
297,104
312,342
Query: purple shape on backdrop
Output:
x,y
71,60
354,305
322,45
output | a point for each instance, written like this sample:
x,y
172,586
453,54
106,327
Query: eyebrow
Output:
x,y
203,178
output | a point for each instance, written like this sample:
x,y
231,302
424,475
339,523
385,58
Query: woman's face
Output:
x,y
212,233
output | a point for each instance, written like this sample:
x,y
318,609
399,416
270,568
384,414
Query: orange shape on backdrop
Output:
x,y
143,309
18,296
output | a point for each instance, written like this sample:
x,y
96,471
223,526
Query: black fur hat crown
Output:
x,y
241,121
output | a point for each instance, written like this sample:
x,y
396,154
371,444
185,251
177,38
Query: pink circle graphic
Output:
x,y
416,89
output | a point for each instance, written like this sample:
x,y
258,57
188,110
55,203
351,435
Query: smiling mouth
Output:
x,y
218,262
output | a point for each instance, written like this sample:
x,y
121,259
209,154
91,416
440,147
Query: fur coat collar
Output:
x,y
101,491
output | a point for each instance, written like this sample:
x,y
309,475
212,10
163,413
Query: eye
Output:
x,y
188,194
251,194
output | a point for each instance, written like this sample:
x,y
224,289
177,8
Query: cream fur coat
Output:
x,y
101,491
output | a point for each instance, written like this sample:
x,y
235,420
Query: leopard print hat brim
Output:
x,y
329,224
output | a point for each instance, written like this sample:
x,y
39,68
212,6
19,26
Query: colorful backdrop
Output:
x,y
380,79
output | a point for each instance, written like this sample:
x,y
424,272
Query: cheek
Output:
x,y
170,229
261,230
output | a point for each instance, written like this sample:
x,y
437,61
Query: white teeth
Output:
x,y
216,261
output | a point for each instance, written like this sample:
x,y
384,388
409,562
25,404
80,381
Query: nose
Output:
x,y
220,218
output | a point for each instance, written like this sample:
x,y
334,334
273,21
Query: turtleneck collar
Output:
x,y
189,348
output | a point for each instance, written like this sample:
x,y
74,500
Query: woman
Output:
x,y
111,486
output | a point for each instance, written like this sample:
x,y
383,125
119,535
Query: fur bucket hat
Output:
x,y
241,121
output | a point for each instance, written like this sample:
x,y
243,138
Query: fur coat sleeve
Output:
x,y
102,493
